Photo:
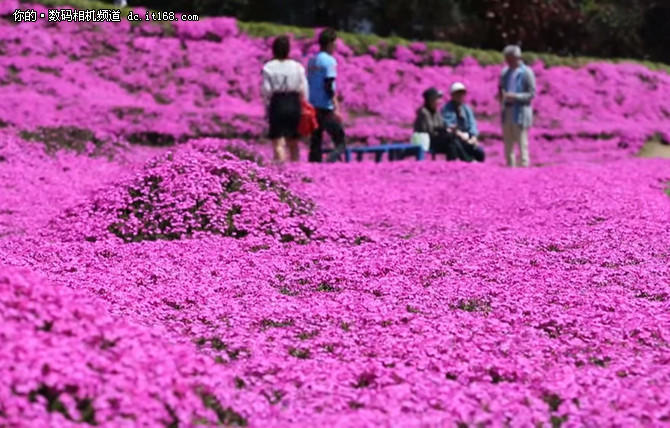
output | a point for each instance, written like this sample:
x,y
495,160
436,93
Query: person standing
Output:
x,y
516,91
461,122
321,75
284,83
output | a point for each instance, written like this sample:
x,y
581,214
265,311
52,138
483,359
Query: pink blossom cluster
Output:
x,y
490,296
202,188
426,294
67,362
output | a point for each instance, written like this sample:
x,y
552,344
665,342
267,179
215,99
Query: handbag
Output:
x,y
308,121
421,139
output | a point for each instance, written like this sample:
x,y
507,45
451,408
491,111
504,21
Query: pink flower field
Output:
x,y
157,269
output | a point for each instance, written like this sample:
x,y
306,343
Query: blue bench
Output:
x,y
395,151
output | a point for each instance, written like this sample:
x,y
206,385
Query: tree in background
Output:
x,y
540,25
627,28
605,28
655,34
420,18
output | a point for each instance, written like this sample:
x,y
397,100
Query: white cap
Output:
x,y
457,87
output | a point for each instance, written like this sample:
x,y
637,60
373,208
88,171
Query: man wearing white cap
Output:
x,y
461,122
516,90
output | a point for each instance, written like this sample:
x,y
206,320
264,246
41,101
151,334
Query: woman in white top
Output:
x,y
284,83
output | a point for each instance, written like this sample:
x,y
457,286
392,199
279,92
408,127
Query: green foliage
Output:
x,y
268,323
54,404
473,305
554,401
327,288
69,138
300,353
361,43
226,416
265,29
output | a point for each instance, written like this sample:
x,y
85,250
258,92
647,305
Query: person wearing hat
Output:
x,y
461,123
429,120
516,91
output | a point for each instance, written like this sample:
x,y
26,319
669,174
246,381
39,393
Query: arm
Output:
x,y
501,87
422,124
529,93
449,117
266,88
331,75
473,131
304,86
329,84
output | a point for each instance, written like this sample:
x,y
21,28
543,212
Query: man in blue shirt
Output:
x,y
321,75
461,123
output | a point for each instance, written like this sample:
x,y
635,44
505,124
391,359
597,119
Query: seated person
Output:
x,y
430,121
460,121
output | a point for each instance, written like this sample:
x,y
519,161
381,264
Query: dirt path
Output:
x,y
655,149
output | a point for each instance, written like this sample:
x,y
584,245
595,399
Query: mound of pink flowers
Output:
x,y
203,189
65,362
199,284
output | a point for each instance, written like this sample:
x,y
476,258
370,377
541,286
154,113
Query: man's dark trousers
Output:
x,y
448,144
474,152
328,123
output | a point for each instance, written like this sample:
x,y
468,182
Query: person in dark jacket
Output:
x,y
429,120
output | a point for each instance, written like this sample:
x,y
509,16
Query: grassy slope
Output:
x,y
360,43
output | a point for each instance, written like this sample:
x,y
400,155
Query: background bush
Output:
x,y
601,28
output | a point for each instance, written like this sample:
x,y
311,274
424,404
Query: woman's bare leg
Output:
x,y
294,149
279,146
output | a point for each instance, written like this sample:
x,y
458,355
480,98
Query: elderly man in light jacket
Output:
x,y
516,90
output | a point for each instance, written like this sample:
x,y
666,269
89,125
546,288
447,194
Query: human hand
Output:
x,y
338,116
473,141
510,96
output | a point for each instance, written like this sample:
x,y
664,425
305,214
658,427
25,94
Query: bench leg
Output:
x,y
420,154
347,155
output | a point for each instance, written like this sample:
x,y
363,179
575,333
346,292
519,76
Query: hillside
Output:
x,y
157,269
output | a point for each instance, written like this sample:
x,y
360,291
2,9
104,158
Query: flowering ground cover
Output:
x,y
199,284
145,83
